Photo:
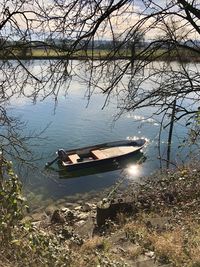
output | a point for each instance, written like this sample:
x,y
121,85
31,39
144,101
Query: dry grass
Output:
x,y
169,247
180,246
138,234
133,252
95,243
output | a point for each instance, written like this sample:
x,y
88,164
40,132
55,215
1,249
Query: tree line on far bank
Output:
x,y
58,48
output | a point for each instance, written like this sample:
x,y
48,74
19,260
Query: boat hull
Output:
x,y
99,168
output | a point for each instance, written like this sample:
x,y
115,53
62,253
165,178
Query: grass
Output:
x,y
159,54
179,245
95,243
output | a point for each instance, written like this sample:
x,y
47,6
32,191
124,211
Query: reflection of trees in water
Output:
x,y
171,31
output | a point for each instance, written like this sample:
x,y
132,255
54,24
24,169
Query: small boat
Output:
x,y
90,156
98,169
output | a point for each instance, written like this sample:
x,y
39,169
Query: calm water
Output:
x,y
74,124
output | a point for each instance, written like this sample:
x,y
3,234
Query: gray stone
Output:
x,y
70,205
50,210
150,254
82,216
38,217
86,207
64,209
79,223
86,230
78,208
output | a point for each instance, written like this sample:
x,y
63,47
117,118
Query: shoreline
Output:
x,y
161,213
166,58
155,223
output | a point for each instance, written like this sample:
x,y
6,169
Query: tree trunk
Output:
x,y
169,142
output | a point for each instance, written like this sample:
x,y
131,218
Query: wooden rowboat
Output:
x,y
86,157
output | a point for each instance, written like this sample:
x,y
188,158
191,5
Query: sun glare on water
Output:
x,y
133,170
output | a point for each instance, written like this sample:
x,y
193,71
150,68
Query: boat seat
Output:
x,y
98,154
74,158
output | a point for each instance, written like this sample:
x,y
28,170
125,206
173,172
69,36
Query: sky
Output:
x,y
122,20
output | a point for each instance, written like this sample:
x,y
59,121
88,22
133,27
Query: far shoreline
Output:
x,y
98,57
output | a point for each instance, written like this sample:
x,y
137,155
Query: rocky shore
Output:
x,y
155,223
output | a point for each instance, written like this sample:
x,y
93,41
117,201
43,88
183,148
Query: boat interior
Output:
x,y
79,156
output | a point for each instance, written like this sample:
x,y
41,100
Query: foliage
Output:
x,y
22,244
11,200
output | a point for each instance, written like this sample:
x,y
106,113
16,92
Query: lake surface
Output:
x,y
75,123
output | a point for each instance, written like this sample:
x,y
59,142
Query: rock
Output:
x,y
70,205
69,216
80,223
82,216
93,206
50,210
86,207
38,217
57,217
150,254
106,210
65,210
86,229
78,208
67,233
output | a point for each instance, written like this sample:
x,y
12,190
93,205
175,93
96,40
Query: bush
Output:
x,y
23,244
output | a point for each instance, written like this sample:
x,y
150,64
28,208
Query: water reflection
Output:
x,y
132,160
74,125
133,170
